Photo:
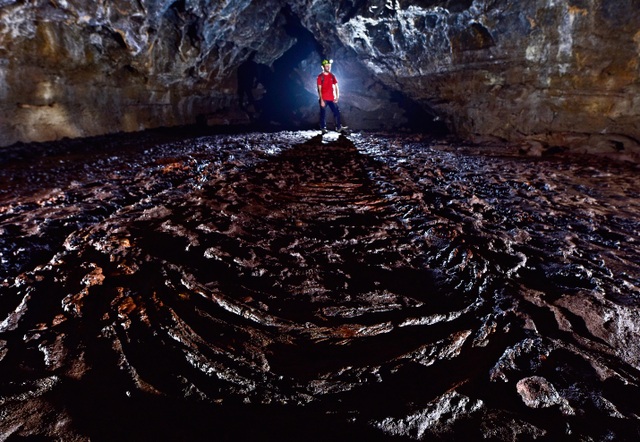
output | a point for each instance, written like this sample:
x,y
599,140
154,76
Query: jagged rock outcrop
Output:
x,y
558,72
549,73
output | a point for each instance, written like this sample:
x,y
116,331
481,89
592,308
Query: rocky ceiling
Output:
x,y
554,72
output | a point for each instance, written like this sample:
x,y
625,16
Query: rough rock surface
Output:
x,y
561,72
287,287
549,72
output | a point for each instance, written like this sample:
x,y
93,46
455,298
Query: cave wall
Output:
x,y
556,72
80,68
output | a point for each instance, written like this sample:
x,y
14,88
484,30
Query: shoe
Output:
x,y
343,129
324,131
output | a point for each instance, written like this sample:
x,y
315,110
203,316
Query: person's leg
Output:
x,y
323,117
336,113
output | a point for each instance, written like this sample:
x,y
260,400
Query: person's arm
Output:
x,y
336,92
320,95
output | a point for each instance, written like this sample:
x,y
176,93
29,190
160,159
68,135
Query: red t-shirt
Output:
x,y
327,85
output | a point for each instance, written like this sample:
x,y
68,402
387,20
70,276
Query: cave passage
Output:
x,y
285,91
285,103
288,103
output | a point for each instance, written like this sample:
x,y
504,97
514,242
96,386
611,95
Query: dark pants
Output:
x,y
323,114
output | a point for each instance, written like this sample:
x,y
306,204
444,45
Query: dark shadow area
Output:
x,y
248,77
285,92
102,413
420,118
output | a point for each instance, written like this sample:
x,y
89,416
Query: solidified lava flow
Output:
x,y
281,286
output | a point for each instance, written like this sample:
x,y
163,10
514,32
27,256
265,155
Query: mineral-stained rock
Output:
x,y
537,392
558,73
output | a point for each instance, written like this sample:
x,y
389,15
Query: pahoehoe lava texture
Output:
x,y
283,286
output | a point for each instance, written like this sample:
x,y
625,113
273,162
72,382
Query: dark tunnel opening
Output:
x,y
287,104
420,118
285,93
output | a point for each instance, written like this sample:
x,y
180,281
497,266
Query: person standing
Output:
x,y
328,95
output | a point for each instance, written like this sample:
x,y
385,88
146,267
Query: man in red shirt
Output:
x,y
328,95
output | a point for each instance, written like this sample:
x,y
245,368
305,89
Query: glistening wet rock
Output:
x,y
287,286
